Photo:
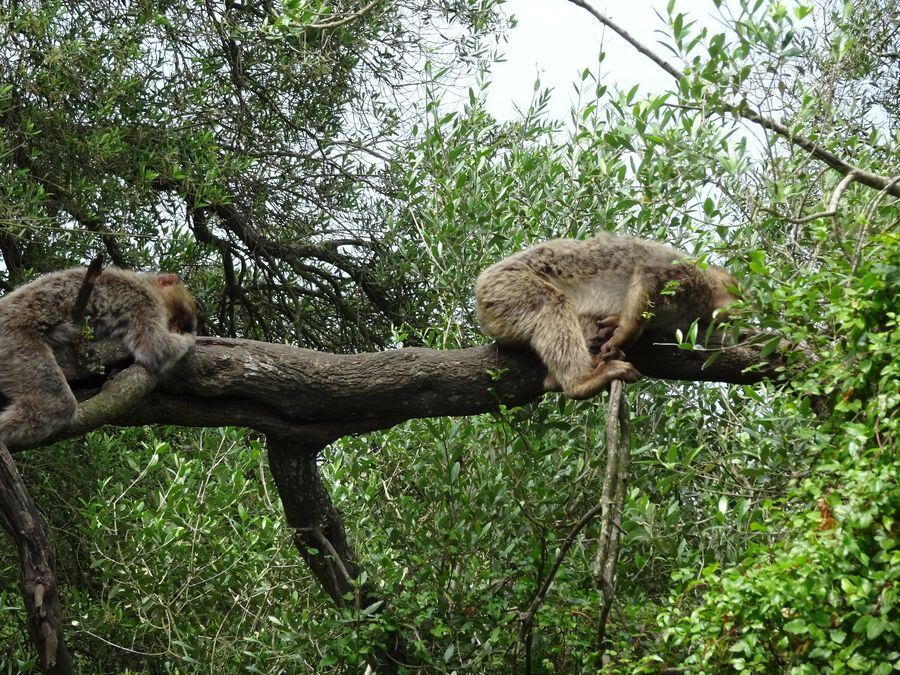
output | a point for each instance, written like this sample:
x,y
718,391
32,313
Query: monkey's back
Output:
x,y
593,273
46,303
601,255
43,303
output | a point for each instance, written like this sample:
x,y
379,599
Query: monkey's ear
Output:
x,y
163,280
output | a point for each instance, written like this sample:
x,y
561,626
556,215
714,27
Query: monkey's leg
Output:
x,y
631,318
41,402
517,306
558,337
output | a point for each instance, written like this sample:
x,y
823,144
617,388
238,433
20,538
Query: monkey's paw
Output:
x,y
598,356
611,349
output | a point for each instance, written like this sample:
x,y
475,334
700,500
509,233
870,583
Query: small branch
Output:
x,y
832,204
839,192
319,536
118,397
527,617
862,176
343,20
87,287
612,500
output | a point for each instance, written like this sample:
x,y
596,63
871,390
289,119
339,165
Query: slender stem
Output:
x,y
860,175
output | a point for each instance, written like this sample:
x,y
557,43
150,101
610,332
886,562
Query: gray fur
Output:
x,y
550,297
123,305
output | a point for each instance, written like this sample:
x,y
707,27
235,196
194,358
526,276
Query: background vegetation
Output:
x,y
305,169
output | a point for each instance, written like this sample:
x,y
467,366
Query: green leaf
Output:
x,y
875,627
448,653
454,472
796,626
770,347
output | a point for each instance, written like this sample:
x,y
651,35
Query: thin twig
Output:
x,y
343,20
862,176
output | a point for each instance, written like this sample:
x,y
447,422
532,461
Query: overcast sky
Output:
x,y
556,40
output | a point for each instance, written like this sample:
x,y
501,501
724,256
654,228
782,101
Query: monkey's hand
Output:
x,y
158,351
611,350
603,344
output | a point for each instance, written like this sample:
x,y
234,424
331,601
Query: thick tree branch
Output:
x,y
20,518
859,175
319,397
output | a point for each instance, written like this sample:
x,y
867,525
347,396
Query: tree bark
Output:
x,y
319,397
19,516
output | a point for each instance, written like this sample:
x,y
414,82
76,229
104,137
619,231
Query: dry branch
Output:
x,y
87,288
612,500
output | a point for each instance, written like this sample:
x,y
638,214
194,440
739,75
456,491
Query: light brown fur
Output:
x,y
153,314
562,295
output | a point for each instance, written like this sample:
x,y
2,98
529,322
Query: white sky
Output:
x,y
556,40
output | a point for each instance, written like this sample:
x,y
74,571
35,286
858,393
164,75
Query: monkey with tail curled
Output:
x,y
153,314
565,295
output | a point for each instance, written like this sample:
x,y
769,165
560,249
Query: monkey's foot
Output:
x,y
621,370
601,377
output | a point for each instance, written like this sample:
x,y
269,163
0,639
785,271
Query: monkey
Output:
x,y
565,296
153,314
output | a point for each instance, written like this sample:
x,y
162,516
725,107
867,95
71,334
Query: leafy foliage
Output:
x,y
239,145
760,530
176,557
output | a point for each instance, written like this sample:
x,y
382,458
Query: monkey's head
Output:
x,y
181,308
724,288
